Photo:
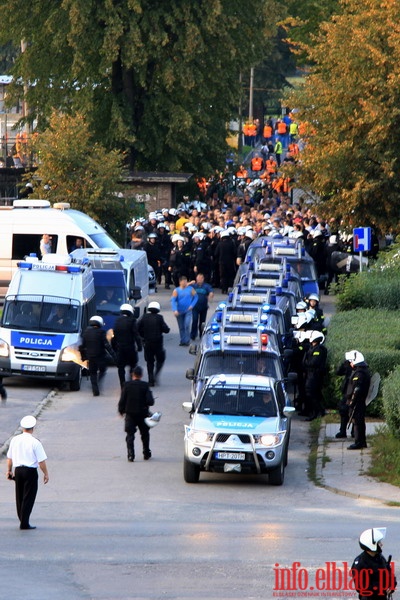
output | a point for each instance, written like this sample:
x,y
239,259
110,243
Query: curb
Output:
x,y
39,408
321,454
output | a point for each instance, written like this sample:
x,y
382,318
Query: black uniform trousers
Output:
x,y
126,357
154,354
132,423
26,487
97,365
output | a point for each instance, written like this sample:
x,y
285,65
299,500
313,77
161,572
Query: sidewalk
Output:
x,y
343,471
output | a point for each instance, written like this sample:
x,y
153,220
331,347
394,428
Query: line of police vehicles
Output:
x,y
240,410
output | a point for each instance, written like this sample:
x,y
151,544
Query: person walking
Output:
x,y
151,328
94,348
134,403
24,456
315,367
372,574
183,299
205,293
357,393
126,341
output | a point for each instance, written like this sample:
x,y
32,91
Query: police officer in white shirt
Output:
x,y
24,456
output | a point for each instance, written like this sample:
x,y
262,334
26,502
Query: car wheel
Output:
x,y
277,476
75,384
191,472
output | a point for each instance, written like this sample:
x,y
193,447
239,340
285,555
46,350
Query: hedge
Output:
x,y
391,402
375,333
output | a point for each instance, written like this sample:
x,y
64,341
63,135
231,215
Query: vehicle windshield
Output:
x,y
306,270
238,401
41,313
250,363
109,299
103,240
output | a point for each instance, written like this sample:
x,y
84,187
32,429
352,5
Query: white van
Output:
x,y
23,225
47,306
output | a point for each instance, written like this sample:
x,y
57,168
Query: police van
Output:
x,y
47,306
271,250
23,225
239,424
117,280
254,353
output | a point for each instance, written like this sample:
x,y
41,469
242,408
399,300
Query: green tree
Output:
x,y
351,104
72,168
157,79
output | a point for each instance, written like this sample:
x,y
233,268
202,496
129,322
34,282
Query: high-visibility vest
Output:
x,y
252,129
257,163
293,128
270,165
241,173
281,128
267,133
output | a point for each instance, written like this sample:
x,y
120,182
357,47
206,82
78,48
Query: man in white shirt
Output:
x,y
25,455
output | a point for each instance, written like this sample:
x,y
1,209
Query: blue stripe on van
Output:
x,y
36,340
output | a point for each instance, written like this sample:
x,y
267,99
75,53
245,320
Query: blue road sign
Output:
x,y
362,239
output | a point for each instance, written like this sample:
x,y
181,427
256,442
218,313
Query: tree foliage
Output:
x,y
157,79
351,102
72,168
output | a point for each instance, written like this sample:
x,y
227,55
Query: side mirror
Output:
x,y
190,374
188,407
135,293
288,411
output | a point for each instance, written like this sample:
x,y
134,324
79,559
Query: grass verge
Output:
x,y
385,457
313,454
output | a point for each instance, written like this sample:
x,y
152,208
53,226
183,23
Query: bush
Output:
x,y
391,402
378,288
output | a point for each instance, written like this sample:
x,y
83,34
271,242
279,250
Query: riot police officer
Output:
x,y
357,393
315,366
126,341
372,574
151,328
94,348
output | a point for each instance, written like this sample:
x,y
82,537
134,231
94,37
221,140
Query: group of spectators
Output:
x,y
213,239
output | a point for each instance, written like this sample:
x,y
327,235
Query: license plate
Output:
x,y
230,455
37,368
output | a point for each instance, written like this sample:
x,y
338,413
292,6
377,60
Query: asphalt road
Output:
x,y
113,530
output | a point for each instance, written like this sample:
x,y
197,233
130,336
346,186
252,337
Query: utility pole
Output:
x,y
251,94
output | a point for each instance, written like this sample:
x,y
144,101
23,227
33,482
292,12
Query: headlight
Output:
x,y
199,437
271,439
71,354
4,349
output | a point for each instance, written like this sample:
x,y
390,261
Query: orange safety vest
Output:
x,y
293,149
252,129
267,131
257,163
281,128
270,165
241,174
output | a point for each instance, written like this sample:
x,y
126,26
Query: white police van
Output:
x,y
47,306
239,424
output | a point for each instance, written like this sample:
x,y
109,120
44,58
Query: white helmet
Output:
x,y
199,235
176,237
317,336
316,233
303,319
126,308
154,306
224,233
313,297
355,357
301,305
249,234
370,538
153,420
162,224
96,320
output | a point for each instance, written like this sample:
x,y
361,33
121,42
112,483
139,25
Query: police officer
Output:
x,y
24,456
357,393
372,574
136,397
126,341
151,328
344,370
314,366
313,302
93,348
